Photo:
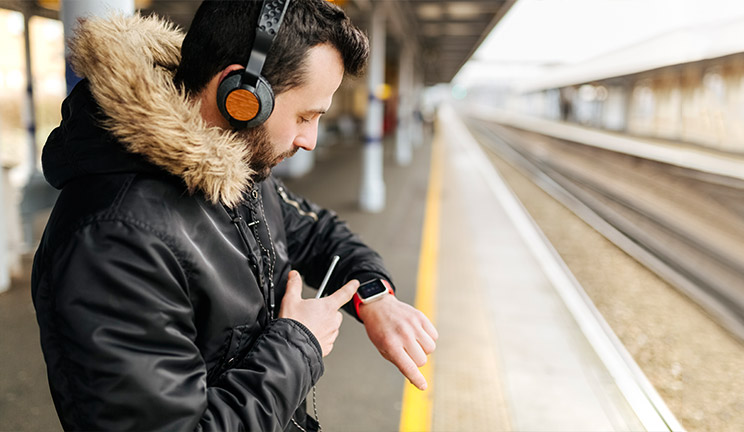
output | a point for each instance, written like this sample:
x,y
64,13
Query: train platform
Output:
x,y
521,347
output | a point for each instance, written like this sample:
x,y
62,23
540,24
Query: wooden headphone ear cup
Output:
x,y
242,104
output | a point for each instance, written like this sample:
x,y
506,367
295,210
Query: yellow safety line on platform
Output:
x,y
416,408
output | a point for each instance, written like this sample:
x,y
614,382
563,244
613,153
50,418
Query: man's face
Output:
x,y
294,123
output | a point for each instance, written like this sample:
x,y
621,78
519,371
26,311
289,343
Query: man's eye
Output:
x,y
304,120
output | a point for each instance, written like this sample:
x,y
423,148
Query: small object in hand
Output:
x,y
327,276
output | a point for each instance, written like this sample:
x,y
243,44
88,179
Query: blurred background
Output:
x,y
617,124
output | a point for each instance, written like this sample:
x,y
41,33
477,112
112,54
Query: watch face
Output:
x,y
371,288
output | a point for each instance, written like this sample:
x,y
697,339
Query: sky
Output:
x,y
536,33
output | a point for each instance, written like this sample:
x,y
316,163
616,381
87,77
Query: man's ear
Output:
x,y
231,68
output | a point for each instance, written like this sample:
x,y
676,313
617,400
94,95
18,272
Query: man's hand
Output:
x,y
402,334
320,316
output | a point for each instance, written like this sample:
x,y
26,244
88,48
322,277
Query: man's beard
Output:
x,y
263,155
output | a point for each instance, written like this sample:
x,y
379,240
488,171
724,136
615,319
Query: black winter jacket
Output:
x,y
159,275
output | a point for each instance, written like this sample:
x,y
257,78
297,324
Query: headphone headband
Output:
x,y
269,21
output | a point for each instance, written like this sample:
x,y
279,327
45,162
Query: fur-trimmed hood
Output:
x,y
128,64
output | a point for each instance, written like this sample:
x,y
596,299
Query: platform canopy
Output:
x,y
445,33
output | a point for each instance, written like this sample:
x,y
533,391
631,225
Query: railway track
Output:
x,y
686,226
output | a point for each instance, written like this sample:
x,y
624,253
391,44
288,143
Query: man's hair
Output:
x,y
222,33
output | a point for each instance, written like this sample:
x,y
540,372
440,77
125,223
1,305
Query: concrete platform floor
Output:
x,y
25,402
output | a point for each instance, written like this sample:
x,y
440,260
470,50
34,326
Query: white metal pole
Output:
x,y
372,195
29,112
403,147
417,126
28,171
71,10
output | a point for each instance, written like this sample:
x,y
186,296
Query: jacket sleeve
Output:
x,y
315,234
121,318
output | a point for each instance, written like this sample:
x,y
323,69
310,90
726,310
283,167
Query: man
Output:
x,y
167,283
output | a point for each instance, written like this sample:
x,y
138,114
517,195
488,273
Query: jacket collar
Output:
x,y
130,63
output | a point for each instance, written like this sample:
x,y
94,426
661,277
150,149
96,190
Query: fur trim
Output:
x,y
130,63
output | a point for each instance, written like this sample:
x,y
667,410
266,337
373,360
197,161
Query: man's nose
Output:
x,y
307,140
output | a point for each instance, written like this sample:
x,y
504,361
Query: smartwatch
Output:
x,y
369,292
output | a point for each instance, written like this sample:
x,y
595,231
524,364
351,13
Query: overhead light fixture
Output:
x,y
430,11
465,10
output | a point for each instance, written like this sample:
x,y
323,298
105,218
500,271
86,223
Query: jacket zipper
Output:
x,y
237,220
270,254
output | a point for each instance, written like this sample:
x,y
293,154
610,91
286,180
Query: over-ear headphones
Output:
x,y
244,97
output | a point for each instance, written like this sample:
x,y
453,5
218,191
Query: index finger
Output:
x,y
405,364
344,294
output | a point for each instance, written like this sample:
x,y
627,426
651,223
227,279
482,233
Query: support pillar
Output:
x,y
29,173
372,195
29,165
403,139
417,124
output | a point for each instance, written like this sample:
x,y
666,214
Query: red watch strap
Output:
x,y
358,300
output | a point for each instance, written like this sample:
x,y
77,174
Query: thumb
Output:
x,y
344,294
294,285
